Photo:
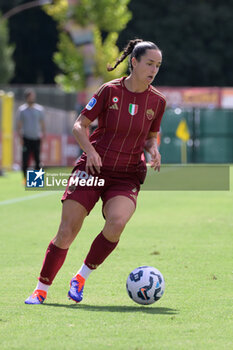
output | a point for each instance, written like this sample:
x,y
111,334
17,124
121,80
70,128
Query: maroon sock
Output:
x,y
53,261
99,251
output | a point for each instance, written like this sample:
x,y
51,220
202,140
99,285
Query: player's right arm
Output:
x,y
95,108
80,133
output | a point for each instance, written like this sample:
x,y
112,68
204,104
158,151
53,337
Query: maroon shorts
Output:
x,y
127,185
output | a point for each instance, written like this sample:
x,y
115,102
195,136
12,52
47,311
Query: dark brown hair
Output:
x,y
135,48
28,92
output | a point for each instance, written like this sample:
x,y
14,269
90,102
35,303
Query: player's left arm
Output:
x,y
151,147
42,123
43,129
151,144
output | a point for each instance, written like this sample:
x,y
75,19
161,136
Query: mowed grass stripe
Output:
x,y
22,199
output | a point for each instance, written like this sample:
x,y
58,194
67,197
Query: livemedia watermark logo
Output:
x,y
79,178
50,180
172,177
35,178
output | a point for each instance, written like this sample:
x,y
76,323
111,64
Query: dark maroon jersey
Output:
x,y
124,120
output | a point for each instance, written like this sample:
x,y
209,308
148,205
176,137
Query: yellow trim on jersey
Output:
x,y
101,89
156,92
115,82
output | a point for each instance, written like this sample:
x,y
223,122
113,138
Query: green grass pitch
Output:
x,y
188,236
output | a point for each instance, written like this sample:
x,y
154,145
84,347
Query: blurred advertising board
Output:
x,y
202,97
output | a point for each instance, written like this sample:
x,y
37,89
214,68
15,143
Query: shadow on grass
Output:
x,y
118,308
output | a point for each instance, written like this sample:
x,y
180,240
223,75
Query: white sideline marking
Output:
x,y
22,199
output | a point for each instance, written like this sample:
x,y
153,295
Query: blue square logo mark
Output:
x,y
91,103
35,178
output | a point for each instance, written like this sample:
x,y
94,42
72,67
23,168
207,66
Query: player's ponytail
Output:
x,y
135,48
127,51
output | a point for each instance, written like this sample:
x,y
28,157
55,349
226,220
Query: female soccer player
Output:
x,y
129,112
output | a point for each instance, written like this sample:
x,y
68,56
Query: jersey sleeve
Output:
x,y
155,126
97,104
41,112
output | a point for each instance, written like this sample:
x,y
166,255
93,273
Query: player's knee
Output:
x,y
66,233
117,224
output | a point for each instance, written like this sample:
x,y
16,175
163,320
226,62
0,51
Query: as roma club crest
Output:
x,y
133,109
150,114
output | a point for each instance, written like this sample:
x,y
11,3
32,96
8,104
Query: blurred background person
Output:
x,y
31,130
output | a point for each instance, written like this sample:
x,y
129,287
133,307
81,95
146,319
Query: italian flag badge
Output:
x,y
133,109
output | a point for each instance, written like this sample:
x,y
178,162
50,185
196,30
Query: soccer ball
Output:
x,y
145,285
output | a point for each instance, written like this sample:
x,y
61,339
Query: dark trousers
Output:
x,y
30,146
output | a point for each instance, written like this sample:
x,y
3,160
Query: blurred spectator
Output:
x,y
31,129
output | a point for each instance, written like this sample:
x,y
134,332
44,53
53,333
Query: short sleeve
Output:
x,y
155,126
97,104
42,114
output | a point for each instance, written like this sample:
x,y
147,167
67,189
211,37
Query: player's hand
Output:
x,y
94,162
155,159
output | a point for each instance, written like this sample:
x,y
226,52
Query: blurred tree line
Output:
x,y
6,51
194,36
34,36
96,17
